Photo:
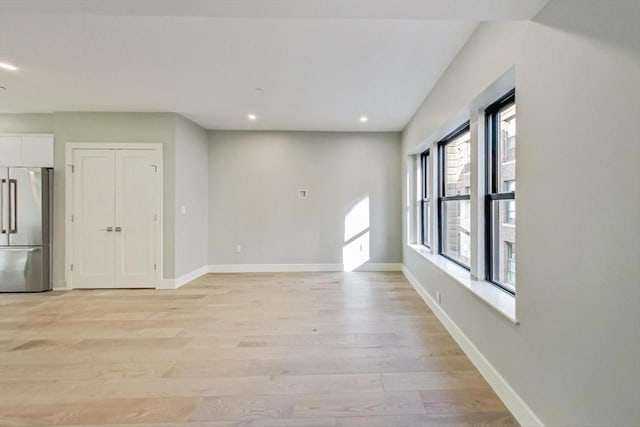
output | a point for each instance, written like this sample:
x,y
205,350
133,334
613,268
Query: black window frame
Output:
x,y
442,197
425,199
493,193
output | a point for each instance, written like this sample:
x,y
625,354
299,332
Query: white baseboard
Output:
x,y
193,275
289,268
511,399
183,280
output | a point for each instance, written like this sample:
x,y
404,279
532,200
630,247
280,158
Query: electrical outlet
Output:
x,y
238,249
438,297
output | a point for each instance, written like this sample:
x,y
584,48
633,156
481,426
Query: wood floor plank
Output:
x,y
63,390
461,401
417,381
108,412
83,371
485,419
243,408
318,340
343,405
238,350
307,366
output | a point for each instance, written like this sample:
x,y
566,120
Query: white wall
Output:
x,y
253,182
574,356
191,163
26,123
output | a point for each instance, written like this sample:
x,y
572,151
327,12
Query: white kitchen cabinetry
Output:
x,y
10,150
27,150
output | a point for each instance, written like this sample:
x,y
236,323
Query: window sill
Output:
x,y
501,301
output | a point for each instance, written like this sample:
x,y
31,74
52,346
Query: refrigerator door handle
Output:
x,y
10,249
2,183
13,206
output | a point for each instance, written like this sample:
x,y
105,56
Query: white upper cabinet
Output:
x,y
10,150
37,151
26,150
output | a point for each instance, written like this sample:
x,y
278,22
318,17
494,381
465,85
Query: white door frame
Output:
x,y
68,199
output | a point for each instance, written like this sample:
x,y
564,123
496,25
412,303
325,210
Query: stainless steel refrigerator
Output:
x,y
26,224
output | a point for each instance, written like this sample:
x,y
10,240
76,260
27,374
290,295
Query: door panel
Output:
x,y
94,198
26,206
135,217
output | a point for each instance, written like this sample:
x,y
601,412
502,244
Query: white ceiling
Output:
x,y
320,63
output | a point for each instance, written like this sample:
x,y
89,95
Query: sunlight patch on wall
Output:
x,y
355,251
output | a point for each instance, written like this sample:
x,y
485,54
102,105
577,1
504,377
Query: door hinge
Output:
x,y
72,218
73,169
71,267
155,168
155,217
155,266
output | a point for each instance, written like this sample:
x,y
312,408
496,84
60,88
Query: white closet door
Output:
x,y
93,214
135,218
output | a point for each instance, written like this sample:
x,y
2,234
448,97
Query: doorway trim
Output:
x,y
68,201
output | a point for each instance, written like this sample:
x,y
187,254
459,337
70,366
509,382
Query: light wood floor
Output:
x,y
271,350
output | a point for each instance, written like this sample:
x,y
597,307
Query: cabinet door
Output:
x,y
10,151
37,151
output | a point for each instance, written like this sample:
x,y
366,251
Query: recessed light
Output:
x,y
364,119
251,116
9,67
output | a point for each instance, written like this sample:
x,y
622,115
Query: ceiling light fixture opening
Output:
x,y
364,119
7,66
252,116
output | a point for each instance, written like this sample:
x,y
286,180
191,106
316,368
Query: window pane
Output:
x,y
510,185
503,219
510,264
510,212
456,227
506,148
426,182
457,166
426,223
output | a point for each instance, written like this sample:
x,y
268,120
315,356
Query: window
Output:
x,y
500,214
425,206
454,201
